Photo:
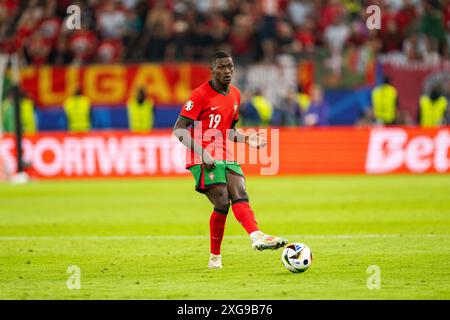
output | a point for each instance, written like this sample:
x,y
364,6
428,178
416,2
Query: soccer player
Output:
x,y
214,106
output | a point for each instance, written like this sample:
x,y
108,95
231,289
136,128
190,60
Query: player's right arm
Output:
x,y
191,112
181,131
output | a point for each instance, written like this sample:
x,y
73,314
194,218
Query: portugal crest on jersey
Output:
x,y
189,105
211,176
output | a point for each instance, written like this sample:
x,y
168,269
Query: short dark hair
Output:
x,y
219,55
435,93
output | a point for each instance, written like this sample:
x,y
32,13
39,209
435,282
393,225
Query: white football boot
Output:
x,y
262,241
215,261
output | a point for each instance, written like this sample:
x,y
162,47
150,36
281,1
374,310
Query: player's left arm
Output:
x,y
255,140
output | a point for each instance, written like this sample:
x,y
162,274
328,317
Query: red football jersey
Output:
x,y
214,113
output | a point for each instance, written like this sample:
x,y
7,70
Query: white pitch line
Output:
x,y
200,237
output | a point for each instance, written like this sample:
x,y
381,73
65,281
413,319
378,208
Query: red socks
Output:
x,y
244,214
216,229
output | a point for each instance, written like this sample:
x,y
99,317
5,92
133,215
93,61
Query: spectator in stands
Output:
x,y
391,39
78,112
304,39
335,36
219,30
111,20
385,103
40,44
140,112
354,7
432,22
285,38
248,115
432,109
263,106
388,16
37,49
178,47
290,110
268,30
431,54
50,25
299,11
133,29
63,54
413,47
81,45
241,37
157,31
337,33
303,99
27,113
28,21
328,13
8,9
446,13
358,34
406,17
142,30
201,42
318,111
109,51
8,112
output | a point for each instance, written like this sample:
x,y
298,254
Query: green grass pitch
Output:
x,y
148,239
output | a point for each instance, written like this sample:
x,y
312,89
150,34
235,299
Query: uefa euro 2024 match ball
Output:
x,y
297,257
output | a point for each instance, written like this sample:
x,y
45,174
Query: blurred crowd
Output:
x,y
252,30
312,109
298,109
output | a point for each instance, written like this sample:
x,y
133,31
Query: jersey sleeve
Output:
x,y
193,107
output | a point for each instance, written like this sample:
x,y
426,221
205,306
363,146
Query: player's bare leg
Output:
x,y
220,199
244,214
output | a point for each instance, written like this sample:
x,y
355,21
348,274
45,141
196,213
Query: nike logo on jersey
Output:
x,y
214,108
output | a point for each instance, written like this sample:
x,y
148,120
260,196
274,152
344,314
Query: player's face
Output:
x,y
222,70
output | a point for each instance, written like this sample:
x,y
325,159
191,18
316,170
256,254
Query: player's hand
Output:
x,y
208,161
256,140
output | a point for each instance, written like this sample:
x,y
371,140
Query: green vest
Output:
x,y
27,117
8,115
77,110
264,108
303,101
384,102
432,113
140,116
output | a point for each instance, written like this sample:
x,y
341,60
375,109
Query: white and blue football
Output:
x,y
297,257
